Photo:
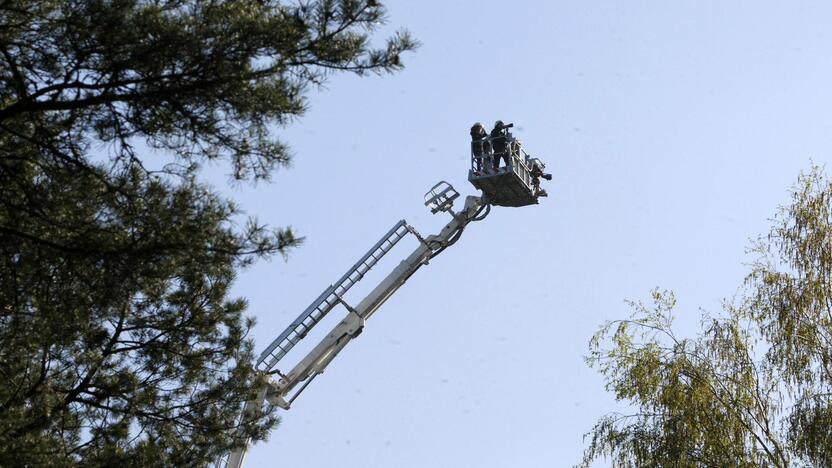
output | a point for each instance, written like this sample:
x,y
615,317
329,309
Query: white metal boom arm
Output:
x,y
281,384
316,360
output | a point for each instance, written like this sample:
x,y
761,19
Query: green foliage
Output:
x,y
116,322
200,78
119,343
753,387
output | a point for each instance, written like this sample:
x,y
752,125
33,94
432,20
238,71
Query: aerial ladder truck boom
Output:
x,y
514,185
316,360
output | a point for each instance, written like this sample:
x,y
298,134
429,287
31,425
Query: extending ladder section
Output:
x,y
328,299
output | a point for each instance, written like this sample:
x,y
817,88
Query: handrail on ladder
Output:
x,y
299,327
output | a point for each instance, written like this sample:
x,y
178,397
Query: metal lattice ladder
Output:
x,y
328,299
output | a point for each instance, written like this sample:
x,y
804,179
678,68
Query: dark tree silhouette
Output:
x,y
119,343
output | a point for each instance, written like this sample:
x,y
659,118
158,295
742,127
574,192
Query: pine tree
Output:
x,y
119,341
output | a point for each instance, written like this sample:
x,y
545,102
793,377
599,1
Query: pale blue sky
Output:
x,y
673,130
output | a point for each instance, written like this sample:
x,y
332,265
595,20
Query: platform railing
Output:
x,y
482,161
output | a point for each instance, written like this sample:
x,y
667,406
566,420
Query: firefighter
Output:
x,y
480,147
499,143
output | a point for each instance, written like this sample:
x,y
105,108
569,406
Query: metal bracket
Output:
x,y
357,331
413,231
344,303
